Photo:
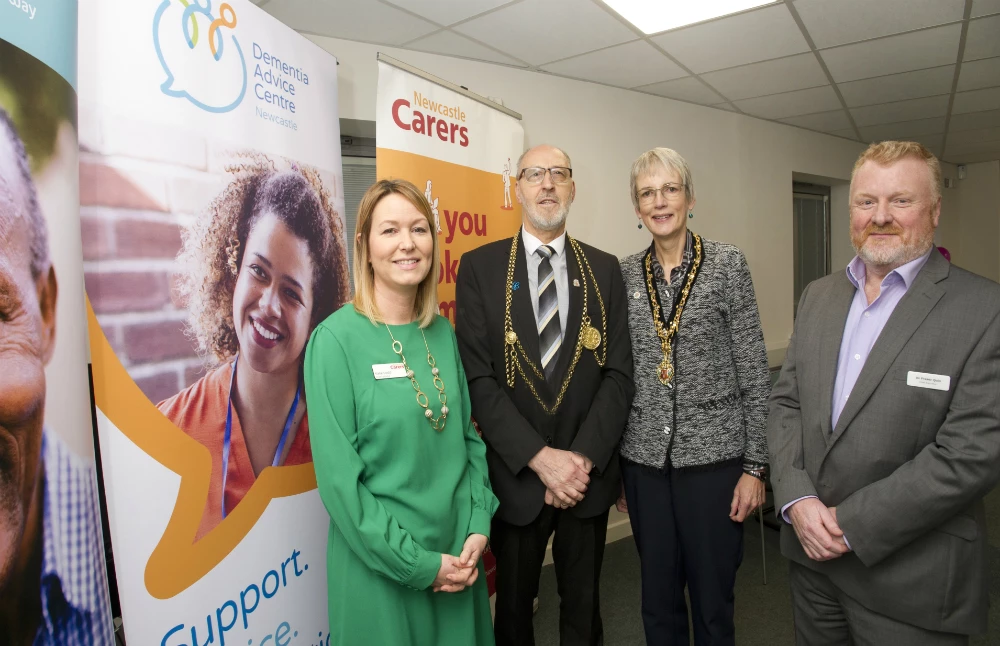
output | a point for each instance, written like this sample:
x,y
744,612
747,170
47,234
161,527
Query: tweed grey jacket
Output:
x,y
717,409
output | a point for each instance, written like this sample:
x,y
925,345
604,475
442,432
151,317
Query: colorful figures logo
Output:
x,y
200,66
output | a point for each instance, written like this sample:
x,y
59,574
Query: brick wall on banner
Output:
x,y
139,185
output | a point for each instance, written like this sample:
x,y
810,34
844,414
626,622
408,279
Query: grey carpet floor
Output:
x,y
763,612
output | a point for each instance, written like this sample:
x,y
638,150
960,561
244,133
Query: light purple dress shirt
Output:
x,y
862,329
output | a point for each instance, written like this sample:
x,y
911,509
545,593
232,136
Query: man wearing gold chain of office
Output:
x,y
543,335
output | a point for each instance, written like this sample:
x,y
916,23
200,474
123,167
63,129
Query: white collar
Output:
x,y
531,243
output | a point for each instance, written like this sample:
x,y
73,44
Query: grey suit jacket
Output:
x,y
906,467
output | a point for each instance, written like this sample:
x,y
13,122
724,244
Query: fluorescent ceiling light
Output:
x,y
654,16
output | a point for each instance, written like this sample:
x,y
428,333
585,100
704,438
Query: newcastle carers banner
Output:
x,y
462,150
53,583
459,150
212,215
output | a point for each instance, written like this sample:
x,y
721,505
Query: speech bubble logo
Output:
x,y
191,44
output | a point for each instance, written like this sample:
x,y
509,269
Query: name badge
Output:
x,y
388,370
928,380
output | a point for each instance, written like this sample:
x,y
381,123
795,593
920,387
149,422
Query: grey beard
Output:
x,y
556,223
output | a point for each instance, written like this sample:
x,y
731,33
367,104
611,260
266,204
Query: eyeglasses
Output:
x,y
536,174
672,192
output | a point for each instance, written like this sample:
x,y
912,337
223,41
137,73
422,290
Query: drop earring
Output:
x,y
690,214
639,226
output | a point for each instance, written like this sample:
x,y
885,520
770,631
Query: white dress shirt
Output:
x,y
558,262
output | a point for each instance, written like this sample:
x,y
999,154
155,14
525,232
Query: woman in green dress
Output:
x,y
398,462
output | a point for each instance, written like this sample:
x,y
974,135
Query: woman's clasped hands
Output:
x,y
460,572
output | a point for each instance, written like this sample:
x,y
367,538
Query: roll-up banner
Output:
x,y
213,241
53,583
462,149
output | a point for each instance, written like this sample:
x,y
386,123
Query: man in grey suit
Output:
x,y
884,427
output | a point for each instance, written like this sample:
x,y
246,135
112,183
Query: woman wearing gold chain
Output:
x,y
399,464
694,450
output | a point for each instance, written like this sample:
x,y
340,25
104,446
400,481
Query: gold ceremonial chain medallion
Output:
x,y
589,337
665,371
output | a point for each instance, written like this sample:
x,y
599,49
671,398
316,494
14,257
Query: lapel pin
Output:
x,y
636,295
515,286
576,282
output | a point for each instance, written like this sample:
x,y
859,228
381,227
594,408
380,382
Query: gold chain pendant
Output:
x,y
591,337
666,368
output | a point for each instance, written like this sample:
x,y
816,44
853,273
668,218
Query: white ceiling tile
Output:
x,y
872,115
823,121
985,7
979,74
976,100
849,21
541,31
628,65
372,22
790,104
770,77
965,137
726,106
847,134
686,89
898,87
983,38
452,44
977,147
902,53
903,129
447,12
974,120
744,38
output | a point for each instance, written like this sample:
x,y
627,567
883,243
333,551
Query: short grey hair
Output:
x,y
670,160
38,232
569,164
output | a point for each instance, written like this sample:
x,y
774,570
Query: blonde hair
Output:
x,y
425,306
670,160
886,153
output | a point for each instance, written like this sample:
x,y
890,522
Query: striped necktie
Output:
x,y
549,328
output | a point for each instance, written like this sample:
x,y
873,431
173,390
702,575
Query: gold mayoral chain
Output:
x,y
665,371
437,423
589,337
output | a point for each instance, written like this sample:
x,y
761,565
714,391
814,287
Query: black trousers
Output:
x,y
680,521
577,552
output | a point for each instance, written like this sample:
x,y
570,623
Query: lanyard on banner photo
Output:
x,y
227,438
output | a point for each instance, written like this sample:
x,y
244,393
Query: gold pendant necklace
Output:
x,y
665,371
589,337
437,423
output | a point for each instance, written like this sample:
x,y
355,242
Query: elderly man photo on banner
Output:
x,y
884,427
52,585
543,334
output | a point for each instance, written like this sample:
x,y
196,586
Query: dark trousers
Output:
x,y
825,616
577,552
680,521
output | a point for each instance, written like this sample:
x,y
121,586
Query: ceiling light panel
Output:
x,y
654,17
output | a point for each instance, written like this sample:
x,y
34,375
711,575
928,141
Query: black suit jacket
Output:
x,y
595,408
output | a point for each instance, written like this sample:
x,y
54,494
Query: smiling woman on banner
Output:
x,y
264,266
694,452
399,464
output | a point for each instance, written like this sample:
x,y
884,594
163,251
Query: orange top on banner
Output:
x,y
468,180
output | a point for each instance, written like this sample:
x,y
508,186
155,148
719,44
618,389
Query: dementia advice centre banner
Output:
x,y
213,239
462,153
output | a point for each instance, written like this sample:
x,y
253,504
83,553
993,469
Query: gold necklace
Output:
x,y
588,338
665,371
437,423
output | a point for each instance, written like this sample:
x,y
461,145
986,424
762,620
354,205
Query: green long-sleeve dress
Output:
x,y
399,493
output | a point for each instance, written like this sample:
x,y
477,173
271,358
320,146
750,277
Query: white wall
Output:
x,y
979,221
742,166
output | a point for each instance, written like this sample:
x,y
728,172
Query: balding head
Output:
x,y
18,198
